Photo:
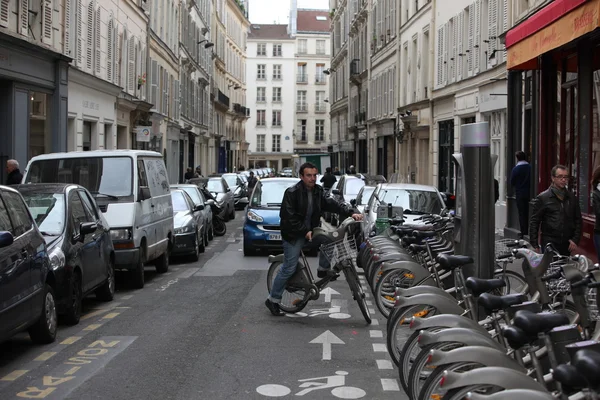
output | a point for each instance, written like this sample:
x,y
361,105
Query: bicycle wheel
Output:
x,y
431,388
386,288
292,299
515,283
357,291
421,370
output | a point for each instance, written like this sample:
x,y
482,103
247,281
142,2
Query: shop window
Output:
x,y
87,136
40,121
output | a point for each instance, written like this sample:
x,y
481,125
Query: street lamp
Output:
x,y
235,86
328,71
208,44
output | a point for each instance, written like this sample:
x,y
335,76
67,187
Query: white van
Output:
x,y
131,188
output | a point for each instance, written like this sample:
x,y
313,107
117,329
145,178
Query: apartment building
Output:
x,y
271,77
34,63
415,81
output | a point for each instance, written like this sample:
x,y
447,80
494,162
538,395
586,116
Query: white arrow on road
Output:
x,y
328,292
327,339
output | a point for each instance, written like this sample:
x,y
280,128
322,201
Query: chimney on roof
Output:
x,y
293,20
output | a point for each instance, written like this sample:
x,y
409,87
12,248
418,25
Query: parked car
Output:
x,y
189,225
27,283
131,188
262,225
363,197
415,200
286,172
239,189
198,198
79,244
220,189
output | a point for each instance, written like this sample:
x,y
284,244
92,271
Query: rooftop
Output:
x,y
313,20
268,31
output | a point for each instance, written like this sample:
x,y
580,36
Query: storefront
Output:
x,y
554,56
33,101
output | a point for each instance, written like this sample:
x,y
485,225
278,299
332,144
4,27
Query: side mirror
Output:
x,y
85,228
6,239
336,192
143,193
199,207
353,202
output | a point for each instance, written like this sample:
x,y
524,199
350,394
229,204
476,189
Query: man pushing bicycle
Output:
x,y
301,212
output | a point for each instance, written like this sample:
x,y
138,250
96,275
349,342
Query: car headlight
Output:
x,y
57,258
252,216
120,234
184,229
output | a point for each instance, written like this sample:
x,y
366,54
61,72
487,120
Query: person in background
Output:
x,y
198,172
337,171
520,178
189,174
328,179
14,174
557,211
596,207
251,181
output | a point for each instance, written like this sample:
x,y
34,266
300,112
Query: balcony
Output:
x,y
240,109
302,78
320,79
301,107
320,108
223,99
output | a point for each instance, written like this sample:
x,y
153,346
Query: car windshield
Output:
x,y
194,194
215,185
366,195
110,176
231,180
48,211
417,201
179,203
353,186
270,193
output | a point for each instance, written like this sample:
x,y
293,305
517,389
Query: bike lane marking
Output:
x,y
65,378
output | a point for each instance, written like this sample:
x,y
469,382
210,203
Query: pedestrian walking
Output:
x,y
189,173
14,174
337,171
328,179
252,181
520,178
596,207
556,213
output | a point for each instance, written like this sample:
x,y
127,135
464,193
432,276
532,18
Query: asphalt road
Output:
x,y
202,331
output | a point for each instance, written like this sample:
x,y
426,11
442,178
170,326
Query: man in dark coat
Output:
x,y
328,179
14,175
520,178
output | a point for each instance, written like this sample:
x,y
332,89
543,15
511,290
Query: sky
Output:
x,y
277,11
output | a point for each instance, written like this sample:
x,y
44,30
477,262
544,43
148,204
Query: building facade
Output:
x,y
270,74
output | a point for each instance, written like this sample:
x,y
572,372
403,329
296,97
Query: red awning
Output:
x,y
541,19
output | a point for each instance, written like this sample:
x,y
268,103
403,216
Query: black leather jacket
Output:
x,y
293,210
596,205
560,221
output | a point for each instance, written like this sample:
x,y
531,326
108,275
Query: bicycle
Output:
x,y
302,287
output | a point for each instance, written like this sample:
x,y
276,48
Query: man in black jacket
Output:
x,y
300,213
328,179
558,212
14,175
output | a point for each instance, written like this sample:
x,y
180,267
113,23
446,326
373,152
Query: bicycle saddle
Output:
x,y
408,240
587,363
493,303
538,263
326,235
417,247
423,234
515,337
451,262
477,286
532,324
569,376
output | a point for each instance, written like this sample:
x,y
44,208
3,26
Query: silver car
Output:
x,y
415,200
220,189
188,225
198,198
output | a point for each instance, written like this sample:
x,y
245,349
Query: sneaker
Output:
x,y
274,308
325,273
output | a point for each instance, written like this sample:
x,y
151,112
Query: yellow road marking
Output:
x,y
91,327
111,315
71,340
16,374
92,314
45,356
72,370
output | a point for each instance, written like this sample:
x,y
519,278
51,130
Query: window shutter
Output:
x,y
477,43
504,22
453,62
471,30
154,83
89,49
67,50
492,29
176,97
117,56
440,56
445,64
47,12
5,12
109,51
98,49
79,40
460,51
131,65
123,66
24,18
164,109
143,73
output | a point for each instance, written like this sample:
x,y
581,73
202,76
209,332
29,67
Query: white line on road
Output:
x,y
372,310
369,302
379,348
374,322
367,295
384,364
376,334
390,385
129,296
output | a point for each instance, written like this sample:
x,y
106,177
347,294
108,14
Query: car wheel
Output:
x,y
196,253
248,251
232,215
137,274
206,237
44,330
106,292
201,244
73,309
162,262
211,232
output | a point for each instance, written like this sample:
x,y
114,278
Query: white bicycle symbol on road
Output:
x,y
335,382
332,312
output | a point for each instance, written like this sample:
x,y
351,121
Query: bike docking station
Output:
x,y
475,212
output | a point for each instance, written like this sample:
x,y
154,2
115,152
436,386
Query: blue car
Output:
x,y
261,227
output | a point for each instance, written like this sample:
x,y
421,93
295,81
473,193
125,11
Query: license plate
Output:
x,y
274,236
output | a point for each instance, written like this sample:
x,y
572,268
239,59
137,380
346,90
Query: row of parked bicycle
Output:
x,y
515,336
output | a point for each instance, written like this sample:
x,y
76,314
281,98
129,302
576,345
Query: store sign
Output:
x,y
142,133
347,146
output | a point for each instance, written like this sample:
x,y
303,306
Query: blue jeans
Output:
x,y
291,254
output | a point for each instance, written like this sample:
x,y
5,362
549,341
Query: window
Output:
x,y
277,50
276,118
261,94
261,118
21,221
89,205
276,144
261,72
319,130
302,76
260,143
4,219
320,76
277,71
277,95
301,101
302,44
302,130
320,47
261,49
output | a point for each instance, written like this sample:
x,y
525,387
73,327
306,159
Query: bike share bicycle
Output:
x,y
339,246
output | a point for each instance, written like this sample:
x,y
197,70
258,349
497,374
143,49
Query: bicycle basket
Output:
x,y
592,304
339,251
501,247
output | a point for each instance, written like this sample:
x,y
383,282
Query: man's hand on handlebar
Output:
x,y
309,236
357,217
